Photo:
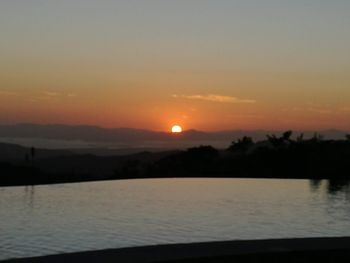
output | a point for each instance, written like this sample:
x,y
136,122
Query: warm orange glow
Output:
x,y
176,129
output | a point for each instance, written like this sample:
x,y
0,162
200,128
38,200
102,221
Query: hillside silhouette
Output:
x,y
279,156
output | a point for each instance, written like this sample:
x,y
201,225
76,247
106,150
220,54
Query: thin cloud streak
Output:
x,y
216,98
345,109
8,93
52,94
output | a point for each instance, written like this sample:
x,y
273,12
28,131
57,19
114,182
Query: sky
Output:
x,y
202,64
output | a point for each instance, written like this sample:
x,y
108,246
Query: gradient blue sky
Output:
x,y
203,64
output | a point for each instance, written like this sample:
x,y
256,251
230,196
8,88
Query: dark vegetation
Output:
x,y
277,157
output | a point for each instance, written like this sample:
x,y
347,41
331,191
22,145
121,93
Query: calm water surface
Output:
x,y
52,219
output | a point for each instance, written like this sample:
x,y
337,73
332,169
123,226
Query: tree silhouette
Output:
x,y
203,151
32,152
278,142
300,138
317,137
242,145
287,135
273,140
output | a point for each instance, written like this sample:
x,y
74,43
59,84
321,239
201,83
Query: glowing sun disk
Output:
x,y
176,129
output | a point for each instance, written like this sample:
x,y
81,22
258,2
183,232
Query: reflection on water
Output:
x,y
336,187
29,192
315,185
75,217
333,187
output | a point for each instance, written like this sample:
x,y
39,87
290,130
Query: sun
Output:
x,y
176,129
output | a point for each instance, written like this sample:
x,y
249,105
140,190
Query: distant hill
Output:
x,y
139,138
95,134
11,152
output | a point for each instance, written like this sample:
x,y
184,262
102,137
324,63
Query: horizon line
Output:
x,y
163,131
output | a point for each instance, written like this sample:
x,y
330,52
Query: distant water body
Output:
x,y
54,219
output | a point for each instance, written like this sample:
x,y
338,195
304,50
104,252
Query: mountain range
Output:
x,y
128,137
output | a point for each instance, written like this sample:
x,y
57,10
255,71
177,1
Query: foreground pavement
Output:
x,y
274,250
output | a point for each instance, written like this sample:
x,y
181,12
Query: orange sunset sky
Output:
x,y
208,65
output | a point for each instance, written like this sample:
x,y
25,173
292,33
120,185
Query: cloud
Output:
x,y
8,93
320,110
52,94
215,98
55,94
39,96
345,109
